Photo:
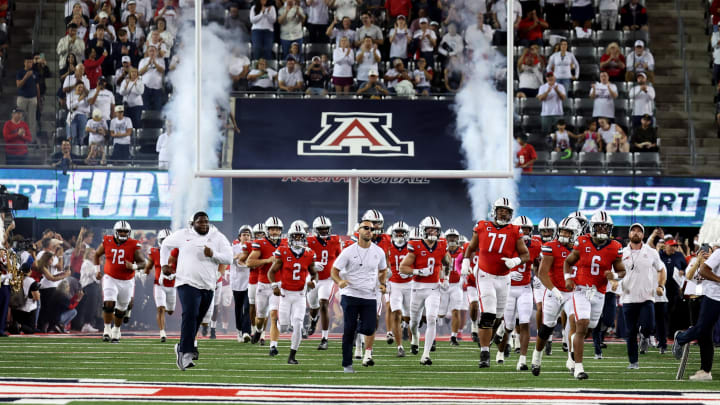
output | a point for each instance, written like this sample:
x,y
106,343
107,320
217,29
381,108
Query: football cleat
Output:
x,y
246,337
521,367
425,361
433,348
644,343
323,344
497,339
565,347
213,335
304,333
256,337
500,357
273,351
106,338
313,326
475,337
195,354
677,348
358,352
414,349
633,366
291,357
179,358
368,360
581,376
400,352
115,335
292,361
163,339
454,341
484,360
390,338
262,342
204,330
603,345
535,370
348,369
548,348
507,351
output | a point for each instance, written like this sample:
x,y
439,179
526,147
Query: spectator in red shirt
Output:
x,y
715,12
530,29
93,66
398,7
17,135
526,155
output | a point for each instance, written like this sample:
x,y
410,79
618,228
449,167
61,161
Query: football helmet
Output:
x,y
377,220
502,203
400,233
429,223
453,237
258,231
601,225
582,220
525,224
245,228
415,233
297,236
273,223
572,225
122,226
322,227
462,240
302,223
548,229
162,234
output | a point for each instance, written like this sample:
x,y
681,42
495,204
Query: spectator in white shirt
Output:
x,y
291,18
498,13
262,78
78,113
102,99
162,147
640,60
426,41
152,69
318,17
451,44
396,74
132,89
262,17
479,35
345,8
367,58
120,131
552,95
564,65
530,72
399,37
104,20
96,129
608,14
71,43
238,68
344,59
643,97
345,31
423,76
290,78
604,94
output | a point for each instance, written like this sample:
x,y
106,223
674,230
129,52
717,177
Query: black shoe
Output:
x,y
126,319
262,342
432,348
313,326
535,370
212,333
484,359
507,351
517,350
106,338
644,343
523,367
497,339
323,344
291,357
406,333
426,361
59,329
204,330
390,338
179,358
414,349
565,347
548,348
163,339
454,341
677,348
582,376
273,351
304,333
196,354
256,337
475,337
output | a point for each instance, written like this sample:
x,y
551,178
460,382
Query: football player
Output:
x,y
123,255
595,256
239,279
451,302
400,283
426,260
520,297
258,232
548,230
555,294
294,261
326,247
266,303
163,286
500,247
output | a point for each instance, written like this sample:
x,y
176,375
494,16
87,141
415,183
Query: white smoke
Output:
x,y
481,125
191,194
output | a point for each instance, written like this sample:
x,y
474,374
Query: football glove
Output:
x,y
511,263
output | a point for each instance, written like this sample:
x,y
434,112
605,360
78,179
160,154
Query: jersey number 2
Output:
x,y
296,271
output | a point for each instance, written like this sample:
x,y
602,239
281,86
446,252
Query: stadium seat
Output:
x,y
589,72
538,141
579,123
583,106
585,55
152,119
621,106
619,163
633,36
291,95
647,160
60,135
317,49
531,123
592,162
146,139
530,106
542,164
563,166
605,38
548,34
581,88
577,41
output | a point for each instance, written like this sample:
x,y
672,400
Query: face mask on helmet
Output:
x,y
430,234
502,215
297,241
322,232
546,235
274,233
453,241
378,228
602,231
564,238
527,233
400,237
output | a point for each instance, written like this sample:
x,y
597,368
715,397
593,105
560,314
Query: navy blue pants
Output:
x,y
4,302
358,316
660,324
607,319
242,311
195,303
702,332
638,315
153,99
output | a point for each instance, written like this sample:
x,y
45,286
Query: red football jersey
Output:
x,y
155,257
454,275
326,250
395,257
266,248
526,268
116,256
595,261
384,241
495,243
347,242
247,247
426,256
294,269
559,253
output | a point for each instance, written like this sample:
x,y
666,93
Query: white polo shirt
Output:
x,y
360,267
193,267
642,267
711,289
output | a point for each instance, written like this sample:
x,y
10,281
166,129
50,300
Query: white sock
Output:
x,y
579,368
273,343
415,340
430,332
262,335
368,352
571,344
253,329
537,357
107,329
325,334
213,324
359,341
501,329
453,334
522,359
400,347
162,333
195,342
485,349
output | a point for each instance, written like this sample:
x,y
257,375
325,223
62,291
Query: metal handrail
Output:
x,y
686,89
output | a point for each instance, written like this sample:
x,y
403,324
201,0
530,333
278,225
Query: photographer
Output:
x,y
317,77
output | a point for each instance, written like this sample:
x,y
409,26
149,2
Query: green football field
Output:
x,y
227,361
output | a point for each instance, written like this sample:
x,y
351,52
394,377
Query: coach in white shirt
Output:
x,y
709,313
201,249
359,271
644,280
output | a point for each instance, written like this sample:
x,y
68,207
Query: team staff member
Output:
x,y
201,250
358,271
644,280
